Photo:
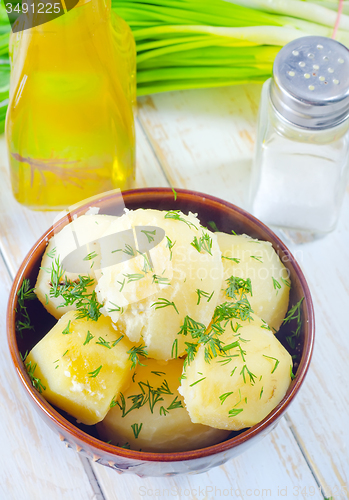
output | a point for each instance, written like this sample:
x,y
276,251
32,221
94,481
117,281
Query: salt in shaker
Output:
x,y
302,149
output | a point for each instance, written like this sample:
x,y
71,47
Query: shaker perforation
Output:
x,y
311,82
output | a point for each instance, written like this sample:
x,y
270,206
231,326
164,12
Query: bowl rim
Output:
x,y
68,428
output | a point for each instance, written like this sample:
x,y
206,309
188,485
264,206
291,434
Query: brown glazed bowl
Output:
x,y
84,439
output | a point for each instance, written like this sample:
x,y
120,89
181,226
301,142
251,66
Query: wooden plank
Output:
x,y
273,468
149,172
21,227
319,417
204,140
33,462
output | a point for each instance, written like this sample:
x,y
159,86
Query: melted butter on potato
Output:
x,y
241,387
158,421
184,278
81,367
244,257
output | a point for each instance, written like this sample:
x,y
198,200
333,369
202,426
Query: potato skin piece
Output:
x,y
228,385
258,261
168,431
66,363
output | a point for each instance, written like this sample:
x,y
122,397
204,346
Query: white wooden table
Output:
x,y
201,140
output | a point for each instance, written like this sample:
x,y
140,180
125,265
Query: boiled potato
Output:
x,y
80,367
77,247
151,293
159,421
244,257
241,387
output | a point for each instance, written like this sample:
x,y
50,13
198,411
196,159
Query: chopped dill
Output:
x,y
294,314
129,250
175,404
75,292
89,337
161,303
103,343
213,226
235,411
174,350
163,411
274,359
134,354
200,380
136,429
201,293
252,377
150,235
164,388
117,341
237,287
34,380
113,402
276,285
95,372
160,280
203,243
170,245
122,283
234,259
66,330
286,282
51,254
176,215
116,308
91,256
24,293
224,396
133,277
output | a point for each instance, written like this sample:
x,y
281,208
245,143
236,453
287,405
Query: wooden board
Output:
x,y
204,139
318,417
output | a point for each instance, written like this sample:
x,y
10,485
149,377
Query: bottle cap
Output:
x,y
310,84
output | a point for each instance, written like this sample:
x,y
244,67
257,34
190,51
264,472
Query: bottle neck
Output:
x,y
83,18
72,43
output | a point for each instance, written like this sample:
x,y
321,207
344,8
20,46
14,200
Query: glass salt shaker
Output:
x,y
302,150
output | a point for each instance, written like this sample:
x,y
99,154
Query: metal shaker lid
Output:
x,y
310,84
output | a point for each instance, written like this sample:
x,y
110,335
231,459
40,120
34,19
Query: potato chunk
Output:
x,y
77,247
244,257
82,364
241,387
152,293
158,421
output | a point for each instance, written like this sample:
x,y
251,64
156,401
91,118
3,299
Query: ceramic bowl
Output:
x,y
84,439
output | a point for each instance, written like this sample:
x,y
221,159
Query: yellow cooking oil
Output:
x,y
70,124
